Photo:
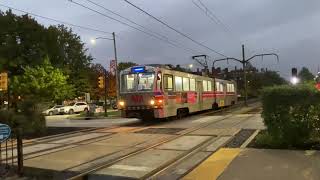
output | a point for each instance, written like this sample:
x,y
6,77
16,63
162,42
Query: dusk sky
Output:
x,y
289,28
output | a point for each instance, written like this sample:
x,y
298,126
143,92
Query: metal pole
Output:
x,y
244,76
116,70
214,84
8,90
19,152
105,93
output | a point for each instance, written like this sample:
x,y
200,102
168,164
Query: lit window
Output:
x,y
178,83
186,86
168,82
205,85
192,85
209,86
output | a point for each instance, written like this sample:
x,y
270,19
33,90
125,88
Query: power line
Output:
x,y
177,31
141,26
212,15
55,20
119,15
126,24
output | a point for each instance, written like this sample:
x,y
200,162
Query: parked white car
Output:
x,y
57,109
76,108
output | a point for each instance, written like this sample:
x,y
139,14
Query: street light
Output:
x,y
294,80
93,41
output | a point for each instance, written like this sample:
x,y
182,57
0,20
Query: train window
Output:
x,y
128,82
178,83
145,81
192,85
209,86
168,82
186,84
219,87
205,85
230,87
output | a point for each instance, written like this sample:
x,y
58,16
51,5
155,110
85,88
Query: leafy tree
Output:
x,y
43,82
22,42
95,71
259,80
305,75
26,43
125,65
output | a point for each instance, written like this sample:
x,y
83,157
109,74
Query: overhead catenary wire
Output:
x,y
133,27
214,18
55,20
174,29
141,26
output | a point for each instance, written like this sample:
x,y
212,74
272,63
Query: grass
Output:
x,y
265,141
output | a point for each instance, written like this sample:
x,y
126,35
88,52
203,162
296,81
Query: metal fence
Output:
x,y
7,157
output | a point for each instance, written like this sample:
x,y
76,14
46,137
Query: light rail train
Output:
x,y
156,91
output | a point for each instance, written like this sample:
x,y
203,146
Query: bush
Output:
x,y
291,113
25,119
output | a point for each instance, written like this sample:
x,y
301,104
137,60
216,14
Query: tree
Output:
x,y
125,65
305,75
22,42
25,42
258,80
42,82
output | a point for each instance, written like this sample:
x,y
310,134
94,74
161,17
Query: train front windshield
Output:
x,y
137,82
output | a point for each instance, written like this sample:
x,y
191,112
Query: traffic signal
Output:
x,y
3,81
101,82
294,72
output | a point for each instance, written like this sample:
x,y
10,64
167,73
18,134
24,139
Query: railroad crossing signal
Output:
x,y
3,81
101,81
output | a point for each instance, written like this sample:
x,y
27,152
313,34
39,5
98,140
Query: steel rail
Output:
x,y
138,151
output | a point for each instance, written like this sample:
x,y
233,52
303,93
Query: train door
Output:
x,y
199,95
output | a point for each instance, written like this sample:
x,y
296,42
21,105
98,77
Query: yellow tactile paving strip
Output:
x,y
213,167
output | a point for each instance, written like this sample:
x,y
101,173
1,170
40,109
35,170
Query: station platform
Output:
x,y
262,164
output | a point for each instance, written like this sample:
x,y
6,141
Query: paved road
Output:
x,y
170,140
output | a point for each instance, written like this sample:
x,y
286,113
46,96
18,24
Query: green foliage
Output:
x,y
25,120
26,43
43,82
291,113
125,65
305,75
257,81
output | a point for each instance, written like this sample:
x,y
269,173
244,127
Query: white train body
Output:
x,y
156,92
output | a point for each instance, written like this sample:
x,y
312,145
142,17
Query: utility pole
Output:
x,y
93,41
105,93
116,68
244,63
244,66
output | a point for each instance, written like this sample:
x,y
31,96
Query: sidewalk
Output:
x,y
262,164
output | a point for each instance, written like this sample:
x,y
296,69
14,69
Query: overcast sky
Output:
x,y
289,28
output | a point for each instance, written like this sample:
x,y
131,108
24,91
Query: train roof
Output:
x,y
166,67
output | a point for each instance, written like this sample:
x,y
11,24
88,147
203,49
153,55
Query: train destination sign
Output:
x,y
5,132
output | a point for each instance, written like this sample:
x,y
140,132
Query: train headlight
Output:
x,y
121,103
152,102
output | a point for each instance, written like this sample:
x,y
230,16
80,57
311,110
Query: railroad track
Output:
x,y
48,140
83,174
